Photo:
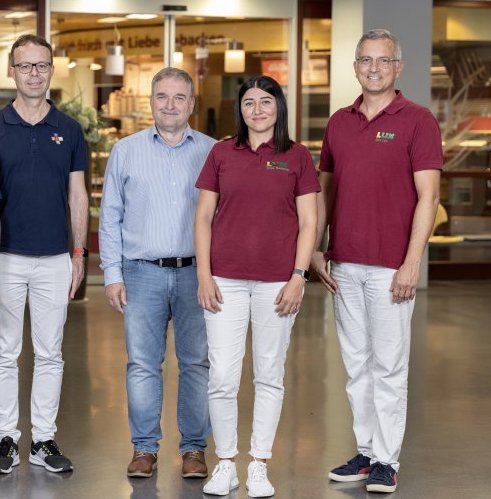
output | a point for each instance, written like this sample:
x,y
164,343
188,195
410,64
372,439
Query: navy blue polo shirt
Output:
x,y
35,165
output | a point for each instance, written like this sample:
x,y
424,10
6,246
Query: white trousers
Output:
x,y
374,334
46,282
227,330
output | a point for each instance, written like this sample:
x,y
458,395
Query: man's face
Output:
x,y
33,85
375,78
171,104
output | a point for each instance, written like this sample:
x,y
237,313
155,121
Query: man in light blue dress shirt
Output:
x,y
147,254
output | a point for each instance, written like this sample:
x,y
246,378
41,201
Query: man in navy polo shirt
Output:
x,y
42,163
380,170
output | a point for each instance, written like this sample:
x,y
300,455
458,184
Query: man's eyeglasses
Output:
x,y
381,62
26,67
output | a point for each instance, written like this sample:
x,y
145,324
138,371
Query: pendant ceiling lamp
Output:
x,y
178,57
235,57
115,56
60,63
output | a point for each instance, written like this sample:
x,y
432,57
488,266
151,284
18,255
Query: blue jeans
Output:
x,y
155,296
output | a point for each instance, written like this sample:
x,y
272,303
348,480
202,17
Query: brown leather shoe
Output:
x,y
194,464
142,464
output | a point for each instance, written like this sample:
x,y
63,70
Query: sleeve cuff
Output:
x,y
113,275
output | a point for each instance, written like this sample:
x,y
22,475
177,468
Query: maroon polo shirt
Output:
x,y
373,190
255,229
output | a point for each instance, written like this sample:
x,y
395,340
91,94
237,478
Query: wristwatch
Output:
x,y
81,251
304,273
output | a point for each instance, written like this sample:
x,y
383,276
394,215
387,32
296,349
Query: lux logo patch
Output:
x,y
57,139
277,165
384,136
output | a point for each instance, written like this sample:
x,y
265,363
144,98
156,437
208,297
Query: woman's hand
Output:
x,y
209,296
319,266
290,296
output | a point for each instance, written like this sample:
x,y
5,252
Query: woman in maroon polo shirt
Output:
x,y
255,232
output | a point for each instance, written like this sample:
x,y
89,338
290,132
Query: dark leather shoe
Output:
x,y
194,464
142,464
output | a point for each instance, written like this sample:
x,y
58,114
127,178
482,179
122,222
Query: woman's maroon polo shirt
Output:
x,y
255,229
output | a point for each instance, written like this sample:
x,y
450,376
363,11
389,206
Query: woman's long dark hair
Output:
x,y
281,137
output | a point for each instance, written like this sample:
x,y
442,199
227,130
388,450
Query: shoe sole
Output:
x,y
140,474
15,463
256,495
194,475
234,485
381,488
347,478
35,459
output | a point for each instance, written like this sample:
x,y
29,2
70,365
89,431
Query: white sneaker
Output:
x,y
223,480
257,483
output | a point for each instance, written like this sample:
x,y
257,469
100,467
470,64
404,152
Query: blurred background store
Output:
x,y
107,52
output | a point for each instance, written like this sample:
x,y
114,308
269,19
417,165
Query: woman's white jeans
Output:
x,y
374,334
227,330
46,282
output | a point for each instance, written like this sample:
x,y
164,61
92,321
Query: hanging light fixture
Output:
x,y
115,56
61,64
201,54
235,57
178,57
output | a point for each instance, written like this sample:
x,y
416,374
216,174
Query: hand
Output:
x,y
77,274
318,264
209,296
290,296
116,296
404,283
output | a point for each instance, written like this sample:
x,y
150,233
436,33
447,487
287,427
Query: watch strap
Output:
x,y
304,273
81,251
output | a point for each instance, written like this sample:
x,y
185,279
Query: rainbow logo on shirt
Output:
x,y
277,165
384,136
57,139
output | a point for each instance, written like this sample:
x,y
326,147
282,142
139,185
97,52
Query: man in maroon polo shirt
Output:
x,y
380,175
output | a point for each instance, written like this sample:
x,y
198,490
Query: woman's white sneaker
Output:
x,y
257,483
223,480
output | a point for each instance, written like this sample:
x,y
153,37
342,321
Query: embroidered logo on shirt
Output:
x,y
384,136
57,139
277,165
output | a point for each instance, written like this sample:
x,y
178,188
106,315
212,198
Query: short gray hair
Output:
x,y
174,73
380,34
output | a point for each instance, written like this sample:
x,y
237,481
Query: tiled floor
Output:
x,y
448,438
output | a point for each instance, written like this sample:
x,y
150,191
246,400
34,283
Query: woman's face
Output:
x,y
259,111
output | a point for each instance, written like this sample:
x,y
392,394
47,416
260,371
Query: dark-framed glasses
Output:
x,y
381,62
26,67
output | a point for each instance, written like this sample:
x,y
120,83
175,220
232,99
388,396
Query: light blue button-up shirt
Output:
x,y
149,199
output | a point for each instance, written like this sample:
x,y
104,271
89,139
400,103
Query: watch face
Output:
x,y
86,253
304,273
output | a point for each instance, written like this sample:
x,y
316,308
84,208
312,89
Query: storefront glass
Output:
x,y
200,47
461,100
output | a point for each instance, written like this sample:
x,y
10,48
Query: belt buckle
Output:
x,y
161,262
178,262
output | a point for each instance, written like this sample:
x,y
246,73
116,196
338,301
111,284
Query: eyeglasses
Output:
x,y
381,62
26,67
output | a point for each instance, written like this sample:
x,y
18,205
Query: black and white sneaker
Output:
x,y
382,478
48,454
9,454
